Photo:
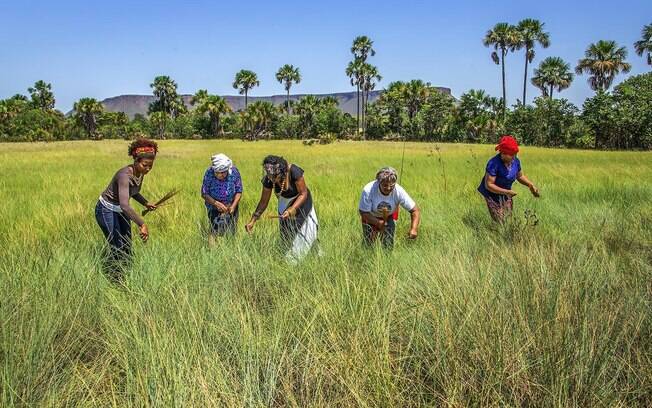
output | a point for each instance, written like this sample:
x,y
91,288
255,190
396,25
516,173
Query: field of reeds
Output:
x,y
552,309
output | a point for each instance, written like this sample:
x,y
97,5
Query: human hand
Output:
x,y
230,209
413,234
144,232
380,225
510,193
220,207
150,206
250,226
534,190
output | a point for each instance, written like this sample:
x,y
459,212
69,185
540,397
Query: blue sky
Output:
x,y
118,47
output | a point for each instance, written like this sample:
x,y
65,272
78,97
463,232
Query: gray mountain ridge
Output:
x,y
138,104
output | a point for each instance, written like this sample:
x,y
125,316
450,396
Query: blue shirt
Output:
x,y
504,177
223,191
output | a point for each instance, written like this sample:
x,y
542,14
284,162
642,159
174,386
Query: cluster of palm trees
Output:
x,y
363,75
602,61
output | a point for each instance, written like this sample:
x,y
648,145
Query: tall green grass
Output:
x,y
471,314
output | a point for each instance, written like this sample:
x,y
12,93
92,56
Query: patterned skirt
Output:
x,y
501,209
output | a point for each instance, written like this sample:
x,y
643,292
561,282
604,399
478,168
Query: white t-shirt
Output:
x,y
373,201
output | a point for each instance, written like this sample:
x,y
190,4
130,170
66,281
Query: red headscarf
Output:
x,y
507,145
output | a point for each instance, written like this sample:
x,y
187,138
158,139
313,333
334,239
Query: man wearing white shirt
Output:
x,y
379,208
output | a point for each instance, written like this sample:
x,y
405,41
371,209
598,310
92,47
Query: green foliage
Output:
x,y
87,114
213,105
42,95
622,120
550,122
257,120
478,117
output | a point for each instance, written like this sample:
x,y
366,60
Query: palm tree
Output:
x,y
214,105
369,77
87,112
244,81
553,72
354,71
644,45
287,75
168,101
531,32
503,37
603,61
362,47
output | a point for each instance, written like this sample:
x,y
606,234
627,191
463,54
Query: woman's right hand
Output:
x,y
144,232
510,193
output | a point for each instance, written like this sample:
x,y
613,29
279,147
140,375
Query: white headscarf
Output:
x,y
221,163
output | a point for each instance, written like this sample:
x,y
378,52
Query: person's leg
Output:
x,y
108,223
367,234
495,210
121,246
388,234
213,217
233,222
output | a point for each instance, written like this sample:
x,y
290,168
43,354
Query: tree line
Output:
x,y
406,110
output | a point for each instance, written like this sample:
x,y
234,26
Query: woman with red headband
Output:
x,y
113,212
496,185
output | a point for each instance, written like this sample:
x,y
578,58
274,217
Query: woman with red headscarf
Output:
x,y
496,185
113,211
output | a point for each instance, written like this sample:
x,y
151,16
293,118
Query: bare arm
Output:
x,y
139,197
368,218
415,216
526,182
236,201
490,183
260,208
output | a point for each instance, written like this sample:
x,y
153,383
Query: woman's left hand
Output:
x,y
413,234
150,206
534,190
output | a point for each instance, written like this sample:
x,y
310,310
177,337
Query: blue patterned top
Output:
x,y
223,191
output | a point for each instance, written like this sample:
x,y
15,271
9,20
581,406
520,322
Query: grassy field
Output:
x,y
557,314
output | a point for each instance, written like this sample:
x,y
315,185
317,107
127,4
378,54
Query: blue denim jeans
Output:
x,y
116,228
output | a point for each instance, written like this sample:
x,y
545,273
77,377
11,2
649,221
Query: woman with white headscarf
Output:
x,y
221,191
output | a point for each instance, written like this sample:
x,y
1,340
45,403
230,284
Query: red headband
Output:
x,y
144,150
507,145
